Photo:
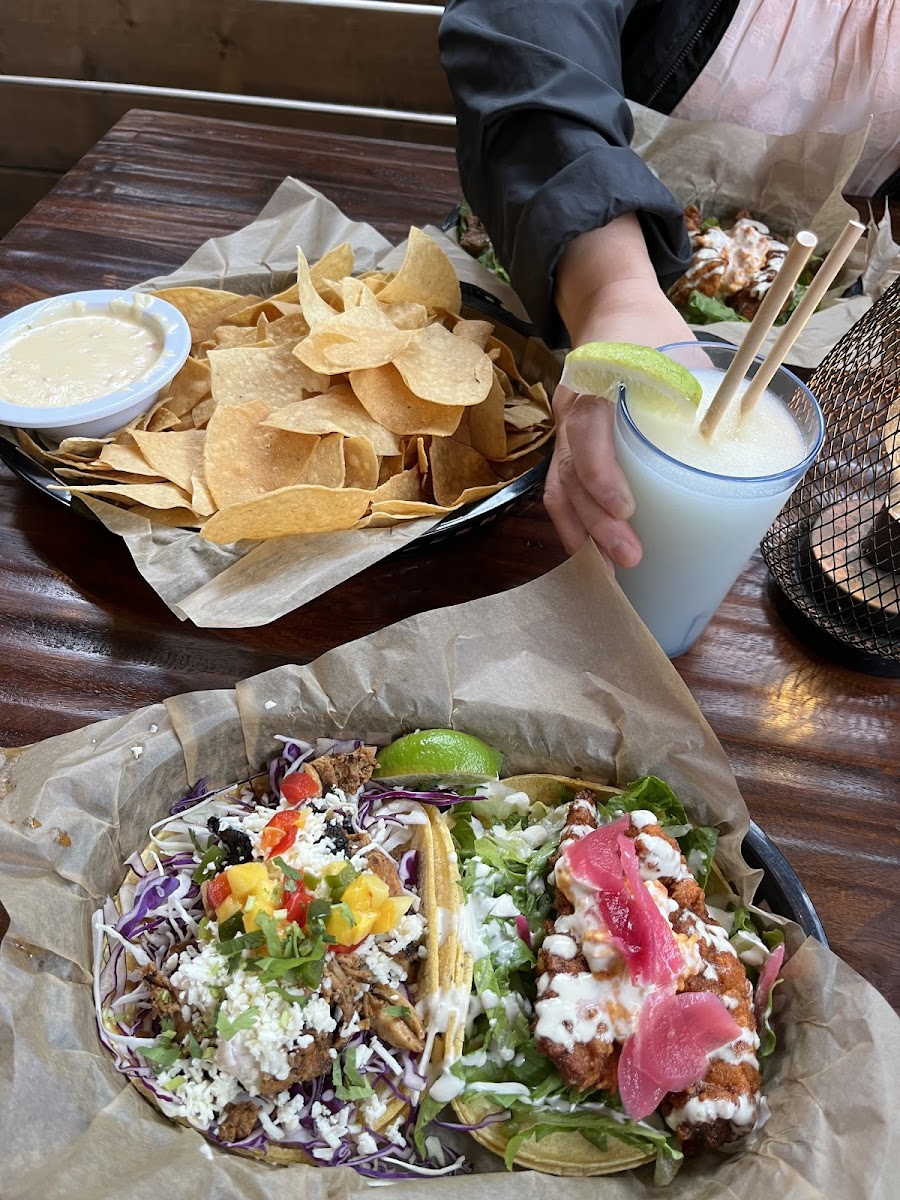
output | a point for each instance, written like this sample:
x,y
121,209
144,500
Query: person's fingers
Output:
x,y
613,536
589,432
568,525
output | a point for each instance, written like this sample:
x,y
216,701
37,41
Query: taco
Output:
x,y
269,971
618,1013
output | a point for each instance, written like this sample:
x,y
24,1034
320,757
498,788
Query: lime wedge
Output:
x,y
438,756
651,379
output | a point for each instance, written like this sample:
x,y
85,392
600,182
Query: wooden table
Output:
x,y
816,749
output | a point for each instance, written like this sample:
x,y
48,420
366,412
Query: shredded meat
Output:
x,y
386,869
345,771
238,1121
405,1032
165,1002
305,1065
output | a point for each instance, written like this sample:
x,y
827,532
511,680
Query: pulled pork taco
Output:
x,y
619,994
269,971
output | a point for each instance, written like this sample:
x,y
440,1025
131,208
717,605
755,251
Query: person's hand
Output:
x,y
586,493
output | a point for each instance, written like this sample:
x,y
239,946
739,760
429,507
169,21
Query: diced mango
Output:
x,y
390,913
247,878
346,934
366,893
227,908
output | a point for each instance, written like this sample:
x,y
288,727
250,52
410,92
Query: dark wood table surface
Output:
x,y
815,748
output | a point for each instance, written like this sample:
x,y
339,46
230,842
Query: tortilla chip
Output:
x,y
242,458
520,444
172,455
524,416
457,469
360,463
226,337
201,413
473,331
204,309
151,495
271,374
315,309
426,276
407,315
159,419
335,349
287,330
444,369
126,457
406,485
487,429
335,264
408,509
389,401
325,466
174,518
337,411
188,387
202,501
288,511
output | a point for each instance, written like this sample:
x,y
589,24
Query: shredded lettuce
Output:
x,y
697,842
706,310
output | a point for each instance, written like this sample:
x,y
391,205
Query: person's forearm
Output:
x,y
595,266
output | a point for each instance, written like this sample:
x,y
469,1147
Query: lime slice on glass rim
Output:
x,y
432,757
651,379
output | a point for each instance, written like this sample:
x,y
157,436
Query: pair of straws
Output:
x,y
773,302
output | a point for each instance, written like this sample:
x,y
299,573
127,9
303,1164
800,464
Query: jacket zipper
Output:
x,y
698,33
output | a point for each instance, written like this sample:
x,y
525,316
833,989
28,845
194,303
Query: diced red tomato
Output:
x,y
218,890
281,832
298,787
297,903
339,949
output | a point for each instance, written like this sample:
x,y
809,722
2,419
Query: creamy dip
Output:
x,y
77,356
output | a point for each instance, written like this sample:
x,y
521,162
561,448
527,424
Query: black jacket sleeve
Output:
x,y
543,136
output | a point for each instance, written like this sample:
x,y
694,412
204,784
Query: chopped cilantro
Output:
x,y
397,1010
246,1020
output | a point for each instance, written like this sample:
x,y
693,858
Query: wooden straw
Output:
x,y
822,281
772,303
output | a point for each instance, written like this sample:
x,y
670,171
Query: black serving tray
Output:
x,y
454,524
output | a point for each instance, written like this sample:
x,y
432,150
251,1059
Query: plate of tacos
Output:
x,y
365,957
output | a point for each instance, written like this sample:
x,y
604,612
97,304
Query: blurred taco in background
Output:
x,y
617,1016
268,971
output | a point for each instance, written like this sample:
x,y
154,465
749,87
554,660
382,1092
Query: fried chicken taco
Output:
x,y
619,993
267,972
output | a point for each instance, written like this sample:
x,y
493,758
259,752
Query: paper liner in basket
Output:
x,y
253,583
562,676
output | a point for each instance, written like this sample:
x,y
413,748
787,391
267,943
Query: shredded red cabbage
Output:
x,y
197,792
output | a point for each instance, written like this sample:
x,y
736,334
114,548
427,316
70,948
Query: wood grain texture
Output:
x,y
816,749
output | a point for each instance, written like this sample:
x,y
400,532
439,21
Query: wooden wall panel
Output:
x,y
261,47
50,129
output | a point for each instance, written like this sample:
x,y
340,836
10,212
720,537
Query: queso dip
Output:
x,y
77,356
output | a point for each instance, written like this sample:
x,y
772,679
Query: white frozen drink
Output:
x,y
702,506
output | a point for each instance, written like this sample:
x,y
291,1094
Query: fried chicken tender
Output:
x,y
587,1065
729,1091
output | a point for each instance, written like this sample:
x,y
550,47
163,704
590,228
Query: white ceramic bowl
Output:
x,y
104,414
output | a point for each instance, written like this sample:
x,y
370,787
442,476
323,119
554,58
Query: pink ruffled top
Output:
x,y
826,66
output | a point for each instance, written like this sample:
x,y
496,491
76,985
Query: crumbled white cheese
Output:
x,y
153,728
200,978
331,1127
137,751
382,968
366,1144
204,1092
408,929
270,704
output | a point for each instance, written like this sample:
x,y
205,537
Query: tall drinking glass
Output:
x,y
702,507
